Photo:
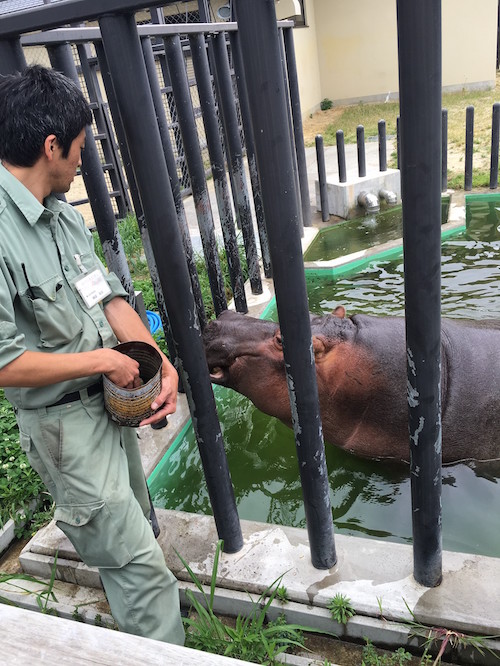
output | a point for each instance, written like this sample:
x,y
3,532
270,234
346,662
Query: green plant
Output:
x,y
341,608
282,594
325,104
43,597
251,638
19,483
439,636
371,657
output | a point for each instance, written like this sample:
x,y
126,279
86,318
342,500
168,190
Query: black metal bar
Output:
x,y
382,146
208,108
419,46
260,46
495,137
124,55
149,59
136,200
291,135
469,147
360,141
60,13
398,141
239,75
11,56
293,82
323,185
61,58
187,126
234,152
339,137
444,150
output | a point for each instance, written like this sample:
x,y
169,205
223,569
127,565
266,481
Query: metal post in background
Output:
x,y
260,46
339,137
61,59
419,47
239,75
382,146
444,150
398,141
495,138
234,153
293,82
149,59
469,147
323,185
11,56
360,140
126,64
208,108
187,125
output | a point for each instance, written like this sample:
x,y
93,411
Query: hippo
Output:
x,y
362,384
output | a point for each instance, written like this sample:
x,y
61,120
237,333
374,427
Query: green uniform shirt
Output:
x,y
42,252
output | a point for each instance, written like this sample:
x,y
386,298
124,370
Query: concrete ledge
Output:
x,y
373,574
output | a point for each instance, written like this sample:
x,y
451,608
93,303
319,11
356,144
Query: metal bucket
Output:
x,y
128,407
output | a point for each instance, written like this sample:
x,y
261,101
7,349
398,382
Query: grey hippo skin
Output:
x,y
362,384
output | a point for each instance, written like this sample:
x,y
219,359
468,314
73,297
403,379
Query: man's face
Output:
x,y
64,168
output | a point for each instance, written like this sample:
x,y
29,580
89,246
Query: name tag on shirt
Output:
x,y
92,287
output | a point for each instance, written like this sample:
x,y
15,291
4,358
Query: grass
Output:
x,y
347,118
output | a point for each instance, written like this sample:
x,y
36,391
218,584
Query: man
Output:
x,y
56,339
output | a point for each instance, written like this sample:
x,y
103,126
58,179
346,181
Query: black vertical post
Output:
x,y
239,75
187,125
208,109
323,185
469,146
61,58
495,137
444,150
339,137
260,45
149,59
382,146
11,56
136,199
126,64
234,152
360,140
398,141
419,46
293,83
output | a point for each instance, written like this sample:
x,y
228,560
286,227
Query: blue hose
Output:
x,y
154,321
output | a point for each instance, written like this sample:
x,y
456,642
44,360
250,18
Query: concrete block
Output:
x,y
343,197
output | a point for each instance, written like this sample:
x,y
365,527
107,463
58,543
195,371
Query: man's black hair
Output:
x,y
34,104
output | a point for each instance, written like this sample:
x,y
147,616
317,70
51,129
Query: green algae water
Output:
x,y
369,498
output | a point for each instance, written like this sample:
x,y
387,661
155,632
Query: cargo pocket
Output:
x,y
92,531
25,442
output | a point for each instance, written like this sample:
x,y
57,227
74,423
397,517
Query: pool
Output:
x,y
369,498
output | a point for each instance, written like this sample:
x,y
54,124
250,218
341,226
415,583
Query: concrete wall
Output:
x,y
356,49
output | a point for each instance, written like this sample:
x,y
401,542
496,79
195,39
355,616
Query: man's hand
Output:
x,y
166,401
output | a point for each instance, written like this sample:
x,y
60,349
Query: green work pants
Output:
x,y
92,468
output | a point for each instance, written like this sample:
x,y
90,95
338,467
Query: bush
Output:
x,y
326,104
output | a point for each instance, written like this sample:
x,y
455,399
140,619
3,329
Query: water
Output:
x,y
369,498
360,233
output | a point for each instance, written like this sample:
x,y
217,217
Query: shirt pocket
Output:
x,y
54,315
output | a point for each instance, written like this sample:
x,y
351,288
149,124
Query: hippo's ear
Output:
x,y
277,340
339,311
319,346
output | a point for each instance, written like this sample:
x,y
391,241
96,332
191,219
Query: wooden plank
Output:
x,y
28,637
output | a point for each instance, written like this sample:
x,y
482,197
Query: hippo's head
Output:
x,y
246,354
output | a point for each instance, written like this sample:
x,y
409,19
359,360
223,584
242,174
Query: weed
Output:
x,y
325,104
282,594
439,636
341,608
42,598
251,638
371,657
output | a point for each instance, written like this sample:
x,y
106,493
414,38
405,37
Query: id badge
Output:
x,y
92,287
